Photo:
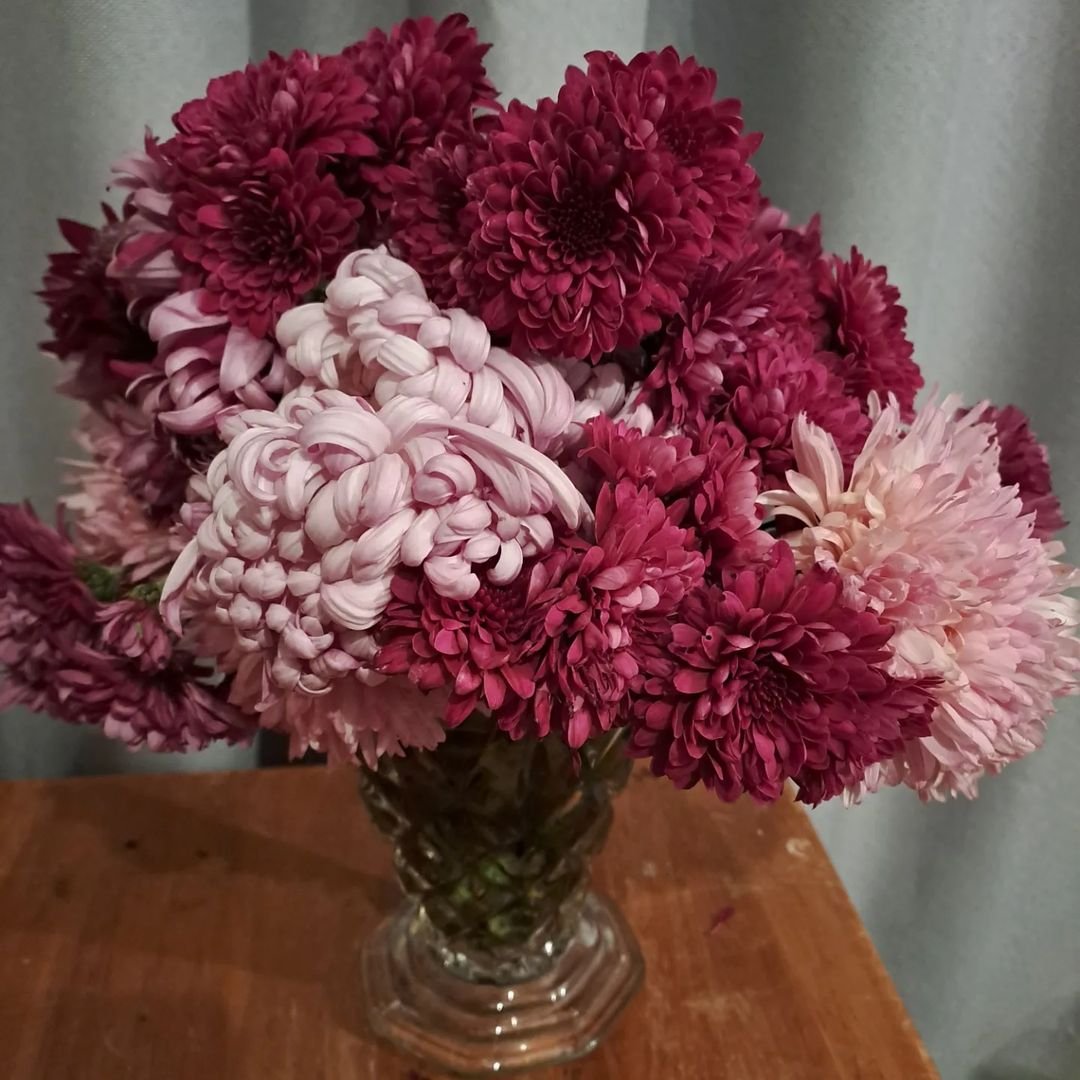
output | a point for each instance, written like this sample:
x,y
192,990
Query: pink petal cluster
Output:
x,y
109,524
769,677
107,664
317,504
926,537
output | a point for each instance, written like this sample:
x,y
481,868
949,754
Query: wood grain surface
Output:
x,y
207,928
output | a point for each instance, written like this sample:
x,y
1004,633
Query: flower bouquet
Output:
x,y
490,446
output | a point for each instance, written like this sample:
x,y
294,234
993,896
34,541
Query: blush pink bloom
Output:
x,y
378,336
926,537
771,677
867,331
205,365
109,525
316,505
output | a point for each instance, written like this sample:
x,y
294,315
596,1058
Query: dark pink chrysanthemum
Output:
x,y
866,331
294,103
425,77
766,389
1024,462
666,105
709,482
431,221
257,246
769,678
106,663
757,300
474,647
581,245
87,311
591,597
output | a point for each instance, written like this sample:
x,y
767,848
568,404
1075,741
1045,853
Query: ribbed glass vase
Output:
x,y
500,958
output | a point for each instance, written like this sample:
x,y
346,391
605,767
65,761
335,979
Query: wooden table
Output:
x,y
208,926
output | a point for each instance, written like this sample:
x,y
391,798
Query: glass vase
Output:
x,y
500,958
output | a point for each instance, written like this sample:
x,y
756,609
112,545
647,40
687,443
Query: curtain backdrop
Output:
x,y
941,136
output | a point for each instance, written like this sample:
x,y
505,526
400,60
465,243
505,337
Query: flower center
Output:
x,y
682,138
581,223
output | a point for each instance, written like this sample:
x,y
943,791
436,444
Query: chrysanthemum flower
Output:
x,y
107,664
88,312
1023,461
765,389
110,525
256,246
771,677
666,105
425,77
431,221
581,246
926,537
866,331
756,301
588,599
378,336
294,103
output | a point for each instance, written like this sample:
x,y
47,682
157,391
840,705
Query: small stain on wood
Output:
x,y
202,853
131,845
798,847
719,918
61,888
648,869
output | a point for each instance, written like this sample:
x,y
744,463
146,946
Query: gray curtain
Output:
x,y
942,137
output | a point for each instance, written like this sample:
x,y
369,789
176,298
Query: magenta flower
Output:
x,y
1023,461
474,647
767,388
431,222
590,598
88,313
258,245
106,664
425,78
666,106
771,677
293,104
866,331
581,245
760,299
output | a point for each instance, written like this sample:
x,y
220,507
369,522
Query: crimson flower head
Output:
x,y
294,103
769,677
866,326
732,307
431,221
767,388
70,646
475,647
88,312
258,245
667,105
424,78
1023,461
581,244
590,598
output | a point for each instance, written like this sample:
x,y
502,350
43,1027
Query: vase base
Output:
x,y
481,1029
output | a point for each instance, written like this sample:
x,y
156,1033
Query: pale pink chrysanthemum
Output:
x,y
314,507
378,336
926,536
108,524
